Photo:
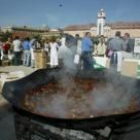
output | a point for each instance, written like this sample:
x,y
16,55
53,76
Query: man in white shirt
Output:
x,y
17,47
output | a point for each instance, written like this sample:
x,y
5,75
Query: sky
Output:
x,y
38,13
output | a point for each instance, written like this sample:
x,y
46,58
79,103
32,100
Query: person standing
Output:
x,y
5,49
0,50
87,47
9,43
10,50
129,46
34,45
26,52
53,53
65,55
79,43
46,47
100,49
62,51
17,47
73,43
116,48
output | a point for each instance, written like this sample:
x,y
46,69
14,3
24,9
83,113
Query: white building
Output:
x,y
101,22
7,29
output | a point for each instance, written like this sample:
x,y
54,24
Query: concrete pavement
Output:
x,y
6,114
26,70
7,131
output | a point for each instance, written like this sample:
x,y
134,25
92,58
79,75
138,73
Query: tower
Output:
x,y
101,22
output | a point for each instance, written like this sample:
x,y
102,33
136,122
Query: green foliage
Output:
x,y
35,35
4,36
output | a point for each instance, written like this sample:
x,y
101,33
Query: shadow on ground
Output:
x,y
6,123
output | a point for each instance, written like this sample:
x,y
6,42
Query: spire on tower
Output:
x,y
101,22
101,14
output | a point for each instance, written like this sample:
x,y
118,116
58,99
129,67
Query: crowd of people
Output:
x,y
23,51
120,48
117,49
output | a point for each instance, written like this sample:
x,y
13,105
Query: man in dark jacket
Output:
x,y
129,46
129,43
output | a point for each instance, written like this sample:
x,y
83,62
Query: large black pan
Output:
x,y
14,92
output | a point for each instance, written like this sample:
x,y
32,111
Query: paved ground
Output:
x,y
6,114
6,123
27,70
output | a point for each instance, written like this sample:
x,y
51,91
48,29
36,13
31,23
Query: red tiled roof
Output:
x,y
126,25
21,34
79,27
116,25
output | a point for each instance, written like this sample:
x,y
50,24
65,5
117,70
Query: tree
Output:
x,y
5,36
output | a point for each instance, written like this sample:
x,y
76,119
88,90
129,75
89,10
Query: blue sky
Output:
x,y
48,12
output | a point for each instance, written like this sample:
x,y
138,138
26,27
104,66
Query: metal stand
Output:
x,y
27,129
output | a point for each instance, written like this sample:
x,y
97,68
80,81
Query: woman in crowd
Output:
x,y
53,53
100,48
